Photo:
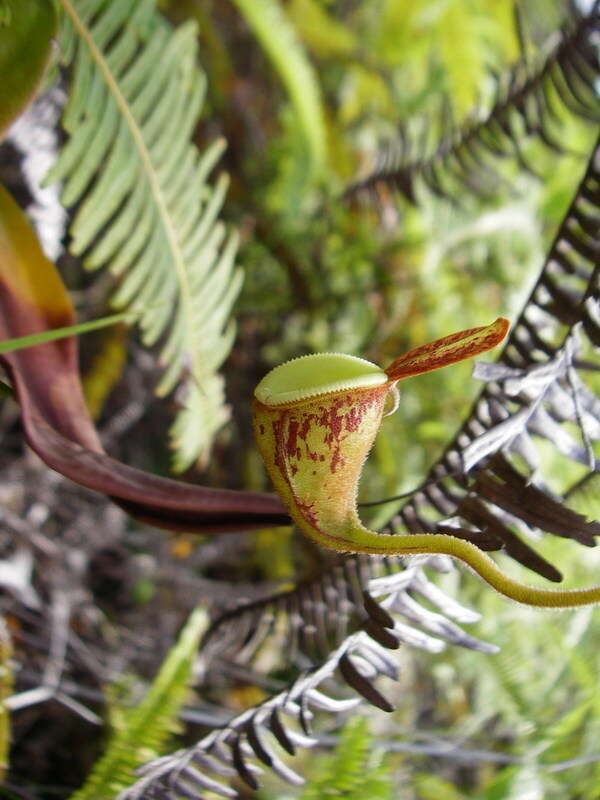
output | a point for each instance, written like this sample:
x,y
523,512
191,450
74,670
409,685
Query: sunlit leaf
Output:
x,y
26,31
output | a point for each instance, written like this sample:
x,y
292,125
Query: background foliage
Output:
x,y
305,106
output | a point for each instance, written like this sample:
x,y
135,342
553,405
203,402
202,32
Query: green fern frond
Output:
x,y
143,732
278,38
354,771
145,208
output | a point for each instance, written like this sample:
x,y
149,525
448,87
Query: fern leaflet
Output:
x,y
145,208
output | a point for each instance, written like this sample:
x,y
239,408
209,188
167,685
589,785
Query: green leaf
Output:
x,y
26,31
21,342
145,208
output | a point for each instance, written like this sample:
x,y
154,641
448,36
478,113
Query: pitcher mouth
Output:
x,y
317,374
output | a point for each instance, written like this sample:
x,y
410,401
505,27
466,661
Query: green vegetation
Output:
x,y
142,733
354,770
297,249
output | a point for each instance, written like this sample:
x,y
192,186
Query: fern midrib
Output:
x,y
156,191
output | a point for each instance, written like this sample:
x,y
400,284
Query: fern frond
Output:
x,y
145,730
277,36
346,768
284,719
305,624
144,207
525,106
352,771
